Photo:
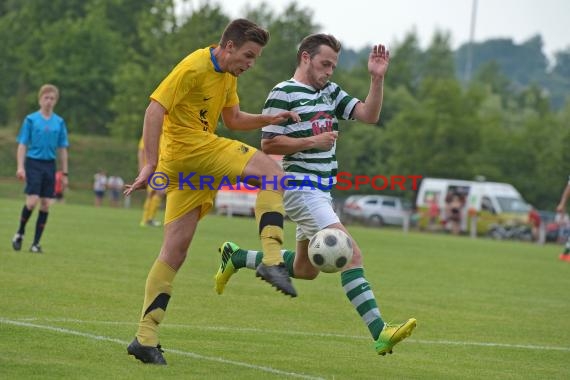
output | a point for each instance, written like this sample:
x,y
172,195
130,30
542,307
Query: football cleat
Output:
x,y
564,257
146,354
17,242
392,335
277,276
226,269
36,248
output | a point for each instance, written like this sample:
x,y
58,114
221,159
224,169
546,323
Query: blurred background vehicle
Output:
x,y
376,210
557,225
493,202
233,201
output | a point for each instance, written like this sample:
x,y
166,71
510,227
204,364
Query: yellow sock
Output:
x,y
146,208
269,216
156,296
153,207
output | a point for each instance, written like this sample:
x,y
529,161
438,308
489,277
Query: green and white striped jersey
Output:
x,y
320,111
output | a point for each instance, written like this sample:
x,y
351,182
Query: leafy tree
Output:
x,y
405,69
562,66
25,27
522,63
162,45
438,59
91,52
557,82
490,74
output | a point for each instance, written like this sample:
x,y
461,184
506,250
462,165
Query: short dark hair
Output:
x,y
241,31
312,45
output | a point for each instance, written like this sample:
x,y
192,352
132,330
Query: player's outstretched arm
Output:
x,y
236,119
562,205
369,110
152,130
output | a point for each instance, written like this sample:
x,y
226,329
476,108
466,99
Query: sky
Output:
x,y
358,23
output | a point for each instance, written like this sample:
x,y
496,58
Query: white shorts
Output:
x,y
311,210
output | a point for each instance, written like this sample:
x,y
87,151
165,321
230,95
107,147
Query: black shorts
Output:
x,y
40,177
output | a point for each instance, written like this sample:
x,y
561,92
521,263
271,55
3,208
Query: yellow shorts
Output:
x,y
195,174
150,191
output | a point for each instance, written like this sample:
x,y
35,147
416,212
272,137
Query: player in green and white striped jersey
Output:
x,y
310,164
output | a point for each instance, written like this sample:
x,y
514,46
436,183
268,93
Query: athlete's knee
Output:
x,y
44,204
31,202
173,256
261,164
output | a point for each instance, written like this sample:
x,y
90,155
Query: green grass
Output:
x,y
485,309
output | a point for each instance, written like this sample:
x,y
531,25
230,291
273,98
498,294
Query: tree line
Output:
x,y
506,122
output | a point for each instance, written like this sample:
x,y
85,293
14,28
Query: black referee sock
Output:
x,y
24,219
40,225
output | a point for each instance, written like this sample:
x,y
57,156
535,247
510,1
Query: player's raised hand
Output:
x,y
378,61
141,180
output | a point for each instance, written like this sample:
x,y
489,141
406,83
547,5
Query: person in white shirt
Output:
x,y
99,187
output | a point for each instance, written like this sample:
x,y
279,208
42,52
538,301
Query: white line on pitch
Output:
x,y
304,333
179,352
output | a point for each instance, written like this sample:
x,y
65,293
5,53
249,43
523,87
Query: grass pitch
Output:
x,y
485,309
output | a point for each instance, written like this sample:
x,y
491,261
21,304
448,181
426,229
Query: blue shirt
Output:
x,y
43,136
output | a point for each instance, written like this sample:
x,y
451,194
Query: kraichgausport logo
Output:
x,y
343,181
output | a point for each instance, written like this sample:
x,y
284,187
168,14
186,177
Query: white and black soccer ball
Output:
x,y
330,250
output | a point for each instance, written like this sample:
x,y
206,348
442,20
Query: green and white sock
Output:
x,y
251,259
360,294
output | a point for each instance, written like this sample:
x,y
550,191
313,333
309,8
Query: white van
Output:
x,y
492,202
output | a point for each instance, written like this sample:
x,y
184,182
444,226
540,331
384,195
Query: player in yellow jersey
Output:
x,y
153,196
183,113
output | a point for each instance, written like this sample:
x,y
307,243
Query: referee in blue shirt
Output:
x,y
42,134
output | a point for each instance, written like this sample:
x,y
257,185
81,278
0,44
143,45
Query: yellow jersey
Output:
x,y
193,94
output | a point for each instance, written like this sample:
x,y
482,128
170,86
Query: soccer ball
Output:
x,y
330,250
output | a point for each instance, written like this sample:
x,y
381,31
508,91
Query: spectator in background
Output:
x,y
561,208
99,187
534,220
115,185
563,222
433,212
454,207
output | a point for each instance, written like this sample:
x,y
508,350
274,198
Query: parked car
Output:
x,y
233,201
557,225
376,210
